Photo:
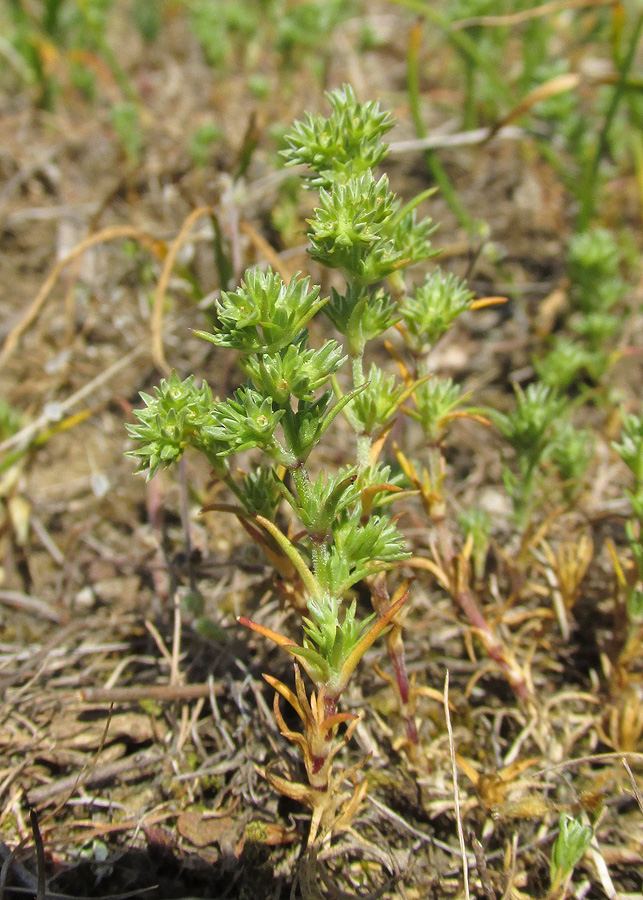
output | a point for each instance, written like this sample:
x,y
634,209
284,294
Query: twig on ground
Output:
x,y
134,765
461,139
21,601
158,352
158,692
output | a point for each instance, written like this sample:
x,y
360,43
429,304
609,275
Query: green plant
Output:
x,y
586,128
529,430
567,851
596,289
284,410
630,450
592,132
456,560
299,32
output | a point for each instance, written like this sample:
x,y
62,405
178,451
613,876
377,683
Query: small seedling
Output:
x,y
569,847
595,292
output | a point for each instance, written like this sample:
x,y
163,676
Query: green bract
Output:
x,y
347,144
294,371
376,541
527,428
324,499
264,315
380,399
435,402
246,421
357,229
361,316
432,309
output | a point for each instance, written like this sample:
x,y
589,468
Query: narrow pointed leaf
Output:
x,y
292,553
369,639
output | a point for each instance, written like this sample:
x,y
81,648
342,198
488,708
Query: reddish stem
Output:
x,y
395,649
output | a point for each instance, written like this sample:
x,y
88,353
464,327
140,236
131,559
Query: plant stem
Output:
x,y
456,570
357,366
395,649
364,444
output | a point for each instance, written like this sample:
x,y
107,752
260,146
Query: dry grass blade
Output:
x,y
158,352
460,139
456,793
158,692
23,437
537,12
18,600
557,85
266,250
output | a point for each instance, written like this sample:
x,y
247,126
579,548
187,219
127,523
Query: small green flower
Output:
x,y
294,371
245,421
527,428
433,308
361,315
378,540
350,219
177,416
360,229
436,400
264,314
371,410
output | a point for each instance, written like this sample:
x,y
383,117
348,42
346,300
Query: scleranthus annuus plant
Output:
x,y
342,533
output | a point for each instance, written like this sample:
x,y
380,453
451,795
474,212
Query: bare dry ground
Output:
x,y
135,741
